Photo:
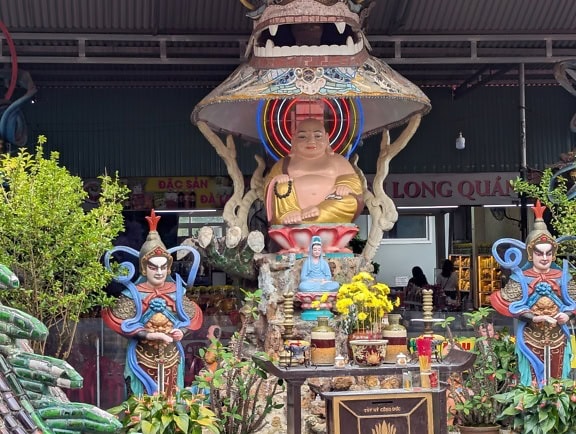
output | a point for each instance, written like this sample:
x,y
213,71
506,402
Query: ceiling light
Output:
x,y
460,142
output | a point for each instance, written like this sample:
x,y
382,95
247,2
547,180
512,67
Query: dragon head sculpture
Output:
x,y
300,31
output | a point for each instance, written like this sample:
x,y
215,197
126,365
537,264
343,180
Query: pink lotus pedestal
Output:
x,y
310,313
296,238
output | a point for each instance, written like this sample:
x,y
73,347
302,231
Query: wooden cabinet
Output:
x,y
462,266
489,278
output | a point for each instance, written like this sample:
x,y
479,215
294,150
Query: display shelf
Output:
x,y
488,277
462,266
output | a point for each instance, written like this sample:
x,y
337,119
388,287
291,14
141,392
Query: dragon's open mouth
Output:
x,y
307,39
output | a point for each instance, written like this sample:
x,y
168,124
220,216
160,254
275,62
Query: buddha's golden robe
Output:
x,y
281,198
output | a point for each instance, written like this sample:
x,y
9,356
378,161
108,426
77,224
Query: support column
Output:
x,y
523,159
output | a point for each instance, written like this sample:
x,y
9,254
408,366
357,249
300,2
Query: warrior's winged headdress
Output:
x,y
153,246
539,233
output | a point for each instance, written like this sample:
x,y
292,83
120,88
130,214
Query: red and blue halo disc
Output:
x,y
277,119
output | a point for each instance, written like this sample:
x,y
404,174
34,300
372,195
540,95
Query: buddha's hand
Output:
x,y
157,336
342,190
177,334
282,179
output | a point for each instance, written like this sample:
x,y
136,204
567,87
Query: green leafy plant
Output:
x,y
547,410
493,372
164,414
241,393
502,343
552,191
53,244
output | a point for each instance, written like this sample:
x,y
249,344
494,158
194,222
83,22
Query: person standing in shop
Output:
x,y
447,281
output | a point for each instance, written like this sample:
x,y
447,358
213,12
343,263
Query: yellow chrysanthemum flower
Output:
x,y
363,302
363,275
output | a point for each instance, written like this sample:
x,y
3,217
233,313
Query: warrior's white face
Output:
x,y
157,270
542,257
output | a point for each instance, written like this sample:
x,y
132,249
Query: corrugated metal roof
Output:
x,y
125,16
139,132
229,17
475,17
490,121
198,34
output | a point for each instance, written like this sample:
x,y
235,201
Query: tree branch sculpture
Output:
x,y
380,206
237,208
232,253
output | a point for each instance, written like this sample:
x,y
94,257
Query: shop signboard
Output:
x,y
406,190
171,193
451,189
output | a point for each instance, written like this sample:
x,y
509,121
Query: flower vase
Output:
x,y
361,334
369,352
322,343
396,335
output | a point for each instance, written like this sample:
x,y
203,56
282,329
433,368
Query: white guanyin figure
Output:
x,y
316,290
316,275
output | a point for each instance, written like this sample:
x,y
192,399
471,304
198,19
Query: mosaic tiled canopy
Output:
x,y
387,98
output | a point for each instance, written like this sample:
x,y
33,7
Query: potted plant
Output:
x,y
470,393
534,410
164,414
